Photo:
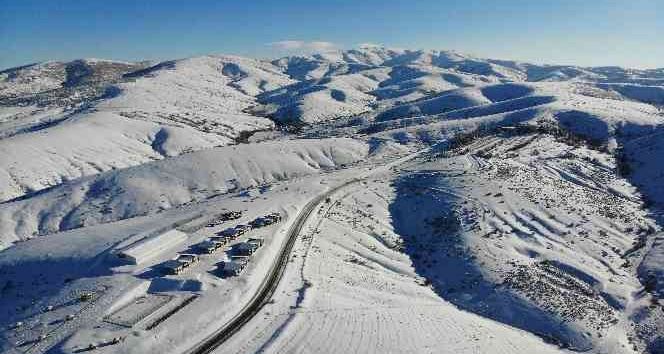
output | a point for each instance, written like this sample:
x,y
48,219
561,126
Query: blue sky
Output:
x,y
583,32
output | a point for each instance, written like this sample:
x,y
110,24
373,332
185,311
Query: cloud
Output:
x,y
304,46
369,45
287,45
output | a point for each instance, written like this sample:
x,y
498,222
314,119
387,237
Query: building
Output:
x,y
219,239
231,215
232,267
149,247
242,259
179,264
245,248
256,241
242,229
211,245
187,259
273,217
229,233
172,266
233,232
266,220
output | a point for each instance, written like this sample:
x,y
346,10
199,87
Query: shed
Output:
x,y
149,247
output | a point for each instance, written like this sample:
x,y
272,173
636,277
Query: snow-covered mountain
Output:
x,y
506,202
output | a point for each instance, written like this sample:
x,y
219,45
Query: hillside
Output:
x,y
429,199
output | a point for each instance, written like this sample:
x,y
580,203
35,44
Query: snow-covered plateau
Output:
x,y
371,200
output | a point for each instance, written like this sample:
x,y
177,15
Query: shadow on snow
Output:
x,y
430,225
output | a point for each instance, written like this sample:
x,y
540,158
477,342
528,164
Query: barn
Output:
x,y
149,247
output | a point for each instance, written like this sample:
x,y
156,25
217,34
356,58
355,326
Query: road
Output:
x,y
269,284
271,281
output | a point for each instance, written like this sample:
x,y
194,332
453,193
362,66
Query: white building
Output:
x,y
150,247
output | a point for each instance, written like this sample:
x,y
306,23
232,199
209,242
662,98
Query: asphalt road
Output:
x,y
271,281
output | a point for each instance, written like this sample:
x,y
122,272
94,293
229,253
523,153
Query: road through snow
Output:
x,y
271,281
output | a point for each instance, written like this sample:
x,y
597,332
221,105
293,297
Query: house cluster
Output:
x,y
239,259
179,264
240,251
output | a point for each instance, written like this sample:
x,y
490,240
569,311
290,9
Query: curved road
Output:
x,y
269,284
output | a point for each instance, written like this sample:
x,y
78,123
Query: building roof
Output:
x,y
246,245
240,259
171,264
150,247
186,257
233,265
208,244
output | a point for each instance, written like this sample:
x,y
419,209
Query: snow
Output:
x,y
488,205
319,100
168,183
31,79
34,161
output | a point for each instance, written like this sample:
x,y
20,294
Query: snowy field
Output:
x,y
430,202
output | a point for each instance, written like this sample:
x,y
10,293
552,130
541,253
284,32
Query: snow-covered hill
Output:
x,y
500,200
161,185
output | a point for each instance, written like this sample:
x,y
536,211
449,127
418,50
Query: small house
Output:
x,y
256,241
187,259
209,246
172,266
245,248
233,267
266,220
273,217
242,229
258,222
231,215
233,232
229,233
219,239
238,258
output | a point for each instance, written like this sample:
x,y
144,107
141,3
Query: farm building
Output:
x,y
149,247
